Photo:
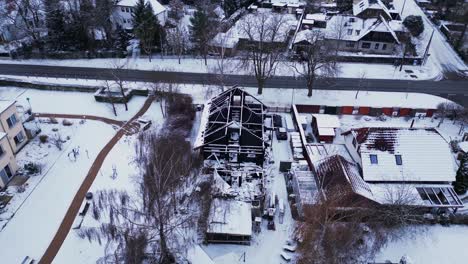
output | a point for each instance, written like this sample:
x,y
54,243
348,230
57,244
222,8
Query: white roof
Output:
x,y
316,16
157,7
306,190
425,155
463,146
369,4
5,104
326,131
324,120
230,217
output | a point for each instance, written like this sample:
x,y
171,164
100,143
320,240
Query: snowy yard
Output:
x,y
33,226
76,103
120,161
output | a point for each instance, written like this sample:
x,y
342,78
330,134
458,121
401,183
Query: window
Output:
x,y
11,121
398,160
349,44
6,172
19,138
351,19
365,45
373,159
122,9
1,151
354,142
357,32
376,46
350,31
384,46
128,9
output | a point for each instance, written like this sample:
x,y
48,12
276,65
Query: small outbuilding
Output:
x,y
323,127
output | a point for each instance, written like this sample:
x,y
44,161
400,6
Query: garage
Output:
x,y
308,108
347,110
331,110
364,110
430,112
387,111
404,112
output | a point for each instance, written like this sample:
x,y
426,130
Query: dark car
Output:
x,y
281,133
277,121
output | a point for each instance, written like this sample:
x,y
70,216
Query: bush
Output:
x,y
66,122
53,120
414,24
43,138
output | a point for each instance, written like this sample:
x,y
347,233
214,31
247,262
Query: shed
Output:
x,y
323,126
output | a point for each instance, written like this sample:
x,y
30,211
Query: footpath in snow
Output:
x,y
32,228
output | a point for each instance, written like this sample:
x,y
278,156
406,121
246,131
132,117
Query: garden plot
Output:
x,y
30,230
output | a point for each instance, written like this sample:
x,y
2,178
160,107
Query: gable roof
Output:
x,y
157,7
425,155
360,7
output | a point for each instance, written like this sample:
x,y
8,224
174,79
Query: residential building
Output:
x,y
232,128
8,166
123,11
397,162
10,123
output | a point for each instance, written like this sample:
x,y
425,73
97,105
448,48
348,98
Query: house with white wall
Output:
x,y
123,12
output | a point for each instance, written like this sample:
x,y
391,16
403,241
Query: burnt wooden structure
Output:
x,y
232,128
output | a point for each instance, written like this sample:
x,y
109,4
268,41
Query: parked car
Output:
x,y
281,133
271,225
277,121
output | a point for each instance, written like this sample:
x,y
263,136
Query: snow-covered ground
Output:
x,y
78,103
120,159
434,244
190,64
442,55
33,226
271,96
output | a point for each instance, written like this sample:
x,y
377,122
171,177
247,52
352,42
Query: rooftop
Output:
x,y
404,155
157,7
230,217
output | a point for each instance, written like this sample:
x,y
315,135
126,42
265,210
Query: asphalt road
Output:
x,y
456,90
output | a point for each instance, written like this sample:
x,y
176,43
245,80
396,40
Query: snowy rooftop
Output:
x,y
463,146
2,135
360,7
5,104
403,154
306,187
317,16
230,217
329,121
196,255
157,7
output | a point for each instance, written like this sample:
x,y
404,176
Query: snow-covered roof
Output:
x,y
360,7
224,39
157,7
306,187
5,104
230,217
2,135
424,155
317,16
326,121
463,146
326,131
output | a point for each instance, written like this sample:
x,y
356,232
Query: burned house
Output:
x,y
232,129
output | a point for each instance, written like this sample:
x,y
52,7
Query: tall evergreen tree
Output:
x,y
55,22
122,39
200,31
146,27
461,181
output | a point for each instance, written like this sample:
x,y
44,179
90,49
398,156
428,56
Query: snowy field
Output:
x,y
435,244
33,226
188,64
121,159
77,103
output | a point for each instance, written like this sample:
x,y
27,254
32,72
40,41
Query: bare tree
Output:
x,y
316,60
223,63
266,34
446,109
111,99
178,39
118,67
28,18
147,227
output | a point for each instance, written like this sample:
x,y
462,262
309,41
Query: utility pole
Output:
x,y
427,48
